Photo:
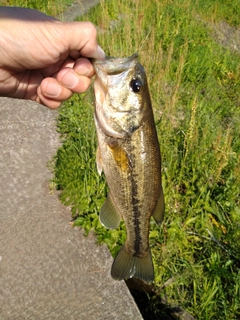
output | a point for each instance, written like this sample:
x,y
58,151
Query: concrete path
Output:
x,y
48,270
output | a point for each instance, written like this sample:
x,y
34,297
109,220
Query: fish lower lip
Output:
x,y
113,65
115,59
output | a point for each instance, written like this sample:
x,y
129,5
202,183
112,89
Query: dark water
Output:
x,y
150,308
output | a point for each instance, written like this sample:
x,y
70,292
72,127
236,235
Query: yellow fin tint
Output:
x,y
126,266
158,213
120,155
109,215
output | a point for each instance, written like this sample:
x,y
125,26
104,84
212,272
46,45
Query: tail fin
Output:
x,y
126,265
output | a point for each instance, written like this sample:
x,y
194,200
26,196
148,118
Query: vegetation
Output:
x,y
195,85
50,7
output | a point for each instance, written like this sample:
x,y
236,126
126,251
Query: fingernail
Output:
x,y
84,71
53,90
70,80
100,53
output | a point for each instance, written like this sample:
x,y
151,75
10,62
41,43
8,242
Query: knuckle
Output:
x,y
91,29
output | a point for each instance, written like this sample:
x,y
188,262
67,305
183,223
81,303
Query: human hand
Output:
x,y
43,59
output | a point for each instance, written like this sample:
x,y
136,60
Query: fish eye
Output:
x,y
136,85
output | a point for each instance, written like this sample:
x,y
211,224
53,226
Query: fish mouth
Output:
x,y
112,65
109,73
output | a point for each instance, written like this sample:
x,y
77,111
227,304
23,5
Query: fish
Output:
x,y
128,153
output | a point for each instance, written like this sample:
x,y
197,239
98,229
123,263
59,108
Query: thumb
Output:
x,y
82,37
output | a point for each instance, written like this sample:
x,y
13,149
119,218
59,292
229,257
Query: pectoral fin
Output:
x,y
158,213
120,156
109,215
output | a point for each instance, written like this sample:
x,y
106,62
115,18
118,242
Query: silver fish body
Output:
x,y
129,155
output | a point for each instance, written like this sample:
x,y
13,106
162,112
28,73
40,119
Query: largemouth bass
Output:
x,y
129,155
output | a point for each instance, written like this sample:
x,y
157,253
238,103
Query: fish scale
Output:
x,y
129,155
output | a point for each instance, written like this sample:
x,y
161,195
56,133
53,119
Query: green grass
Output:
x,y
195,85
217,10
50,7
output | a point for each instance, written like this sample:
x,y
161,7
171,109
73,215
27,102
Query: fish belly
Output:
x,y
132,168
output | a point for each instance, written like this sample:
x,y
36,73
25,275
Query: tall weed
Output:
x,y
195,85
50,7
